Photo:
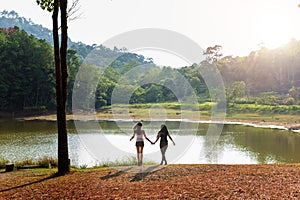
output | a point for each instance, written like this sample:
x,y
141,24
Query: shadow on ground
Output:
x,y
140,172
31,183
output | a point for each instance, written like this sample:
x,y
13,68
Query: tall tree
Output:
x,y
60,57
213,54
63,137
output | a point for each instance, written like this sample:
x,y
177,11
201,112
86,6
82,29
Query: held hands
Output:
x,y
150,141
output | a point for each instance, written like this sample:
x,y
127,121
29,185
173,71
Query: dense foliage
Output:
x,y
265,70
265,77
272,75
26,71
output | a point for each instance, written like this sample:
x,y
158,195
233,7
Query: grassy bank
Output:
x,y
44,162
264,109
235,112
278,115
47,162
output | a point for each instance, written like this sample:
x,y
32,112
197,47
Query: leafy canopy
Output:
x,y
46,4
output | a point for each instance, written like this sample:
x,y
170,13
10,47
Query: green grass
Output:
x,y
43,162
284,113
128,161
157,110
264,109
284,118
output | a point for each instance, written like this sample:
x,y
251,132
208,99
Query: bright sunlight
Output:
x,y
274,28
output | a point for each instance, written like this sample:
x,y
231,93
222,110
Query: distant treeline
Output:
x,y
27,78
264,70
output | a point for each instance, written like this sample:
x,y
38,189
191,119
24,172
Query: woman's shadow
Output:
x,y
139,175
118,173
143,173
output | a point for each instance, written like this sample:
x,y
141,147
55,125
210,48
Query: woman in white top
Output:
x,y
140,134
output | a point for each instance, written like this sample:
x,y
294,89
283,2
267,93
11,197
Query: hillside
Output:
x,y
12,19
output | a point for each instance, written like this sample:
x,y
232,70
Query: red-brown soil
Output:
x,y
171,182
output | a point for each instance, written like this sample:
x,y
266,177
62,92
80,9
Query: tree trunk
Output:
x,y
64,47
63,156
63,138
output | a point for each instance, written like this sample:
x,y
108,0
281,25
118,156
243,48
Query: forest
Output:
x,y
27,78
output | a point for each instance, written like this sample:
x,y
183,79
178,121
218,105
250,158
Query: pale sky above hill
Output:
x,y
237,25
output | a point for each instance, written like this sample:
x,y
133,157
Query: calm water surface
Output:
x,y
97,142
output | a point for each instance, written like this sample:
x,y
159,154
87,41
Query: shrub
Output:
x,y
46,161
206,106
42,162
289,101
3,162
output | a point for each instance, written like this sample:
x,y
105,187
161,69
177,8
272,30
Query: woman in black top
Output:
x,y
163,134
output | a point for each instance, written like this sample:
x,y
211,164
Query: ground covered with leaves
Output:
x,y
156,182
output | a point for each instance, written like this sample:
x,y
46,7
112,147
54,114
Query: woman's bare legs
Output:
x,y
139,151
163,154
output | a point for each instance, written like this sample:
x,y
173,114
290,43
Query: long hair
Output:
x,y
138,126
164,129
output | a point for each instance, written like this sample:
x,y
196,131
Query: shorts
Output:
x,y
139,143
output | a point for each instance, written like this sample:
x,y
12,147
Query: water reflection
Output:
x,y
237,144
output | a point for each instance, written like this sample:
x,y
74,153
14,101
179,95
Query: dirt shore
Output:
x,y
290,125
171,182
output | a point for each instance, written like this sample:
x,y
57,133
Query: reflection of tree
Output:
x,y
267,143
210,148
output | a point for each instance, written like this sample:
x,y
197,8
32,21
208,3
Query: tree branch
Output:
x,y
73,9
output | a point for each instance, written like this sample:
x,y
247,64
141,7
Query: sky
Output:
x,y
239,26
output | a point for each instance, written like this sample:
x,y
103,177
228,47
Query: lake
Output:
x,y
93,142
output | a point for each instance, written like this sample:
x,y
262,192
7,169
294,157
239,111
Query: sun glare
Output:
x,y
274,29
